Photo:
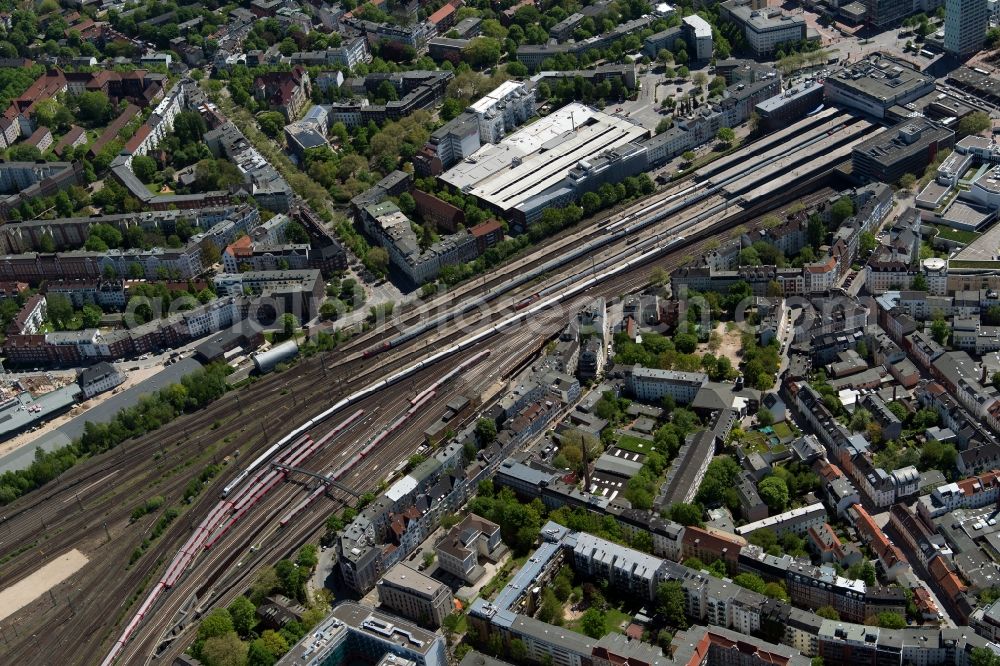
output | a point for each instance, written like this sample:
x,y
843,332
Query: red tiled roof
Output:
x,y
241,247
137,138
485,228
441,14
37,136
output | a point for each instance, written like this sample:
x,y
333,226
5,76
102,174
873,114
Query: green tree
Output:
x,y
518,650
670,603
816,231
726,135
218,622
591,203
486,431
982,656
867,243
258,654
331,309
91,316
685,343
23,153
750,581
244,615
919,282
144,168
860,419
272,123
685,514
841,209
216,174
93,108
774,492
889,620
862,571
189,127
60,311
907,181
593,622
482,52
551,610
46,243
750,257
296,233
103,236
940,330
829,612
377,260
974,123
224,650
776,591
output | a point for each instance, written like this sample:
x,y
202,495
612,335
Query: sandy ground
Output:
x,y
731,344
26,438
23,592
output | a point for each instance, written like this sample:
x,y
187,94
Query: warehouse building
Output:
x,y
551,162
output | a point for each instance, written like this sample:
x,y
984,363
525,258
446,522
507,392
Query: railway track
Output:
x,y
313,520
769,149
110,588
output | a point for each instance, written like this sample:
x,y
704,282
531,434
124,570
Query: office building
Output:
x,y
905,148
876,84
765,29
356,634
882,14
965,23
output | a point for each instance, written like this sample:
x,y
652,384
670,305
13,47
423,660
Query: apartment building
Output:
x,y
652,385
415,596
624,568
796,521
459,552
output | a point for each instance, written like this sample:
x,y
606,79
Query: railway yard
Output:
x,y
351,415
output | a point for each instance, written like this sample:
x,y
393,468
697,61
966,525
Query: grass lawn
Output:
x,y
496,584
961,263
634,444
754,441
613,618
957,235
782,430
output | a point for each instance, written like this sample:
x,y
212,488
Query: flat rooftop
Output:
x,y
908,137
984,248
761,20
503,90
882,78
22,411
539,157
788,96
405,578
